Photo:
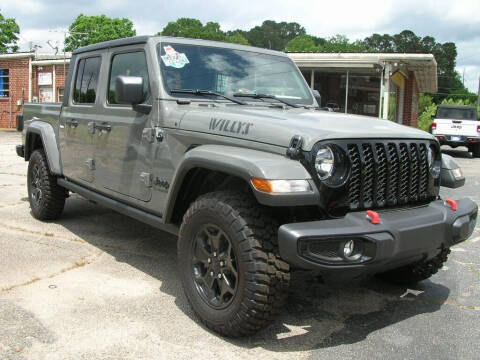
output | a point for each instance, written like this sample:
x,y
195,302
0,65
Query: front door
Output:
x,y
79,113
123,151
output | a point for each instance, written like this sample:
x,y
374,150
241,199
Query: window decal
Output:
x,y
173,58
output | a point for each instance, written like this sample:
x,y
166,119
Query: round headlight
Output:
x,y
324,162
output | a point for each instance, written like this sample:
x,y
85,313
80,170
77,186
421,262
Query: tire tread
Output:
x,y
53,194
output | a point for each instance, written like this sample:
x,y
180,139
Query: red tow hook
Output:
x,y
452,204
373,217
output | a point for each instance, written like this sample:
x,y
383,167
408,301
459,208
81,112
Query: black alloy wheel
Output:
x,y
36,185
214,267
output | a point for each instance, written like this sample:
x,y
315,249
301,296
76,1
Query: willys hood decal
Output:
x,y
277,126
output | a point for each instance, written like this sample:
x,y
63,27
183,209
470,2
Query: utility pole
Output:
x,y
65,33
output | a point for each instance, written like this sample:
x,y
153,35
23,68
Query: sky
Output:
x,y
446,20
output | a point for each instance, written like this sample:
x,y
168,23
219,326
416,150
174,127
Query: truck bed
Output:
x,y
48,112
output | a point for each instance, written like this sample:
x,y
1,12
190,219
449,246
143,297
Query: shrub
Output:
x,y
425,118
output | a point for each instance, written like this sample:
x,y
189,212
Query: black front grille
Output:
x,y
387,174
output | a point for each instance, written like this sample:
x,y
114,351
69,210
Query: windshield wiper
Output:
x,y
265,96
206,92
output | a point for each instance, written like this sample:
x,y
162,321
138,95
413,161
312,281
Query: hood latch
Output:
x,y
294,150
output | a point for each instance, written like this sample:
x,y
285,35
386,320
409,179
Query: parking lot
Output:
x,y
99,285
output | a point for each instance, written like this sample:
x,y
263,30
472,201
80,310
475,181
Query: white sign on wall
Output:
x,y
45,95
45,78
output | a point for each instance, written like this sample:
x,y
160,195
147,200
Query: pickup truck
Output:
x,y
457,125
225,146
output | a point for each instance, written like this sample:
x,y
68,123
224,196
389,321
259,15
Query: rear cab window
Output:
x,y
457,113
86,80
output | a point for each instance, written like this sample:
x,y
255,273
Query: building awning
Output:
x,y
39,58
423,66
17,55
46,62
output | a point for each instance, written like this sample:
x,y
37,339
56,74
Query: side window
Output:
x,y
86,80
4,83
78,81
128,64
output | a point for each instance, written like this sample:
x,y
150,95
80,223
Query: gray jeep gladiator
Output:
x,y
224,145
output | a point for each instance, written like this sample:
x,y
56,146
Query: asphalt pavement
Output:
x,y
98,285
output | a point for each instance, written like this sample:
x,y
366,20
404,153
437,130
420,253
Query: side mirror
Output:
x,y
452,176
129,90
317,97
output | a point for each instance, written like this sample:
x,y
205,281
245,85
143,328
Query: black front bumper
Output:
x,y
403,236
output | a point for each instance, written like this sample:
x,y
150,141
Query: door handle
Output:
x,y
104,127
72,123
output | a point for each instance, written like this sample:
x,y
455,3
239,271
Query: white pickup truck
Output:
x,y
457,125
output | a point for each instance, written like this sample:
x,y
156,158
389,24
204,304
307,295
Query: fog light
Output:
x,y
348,248
352,251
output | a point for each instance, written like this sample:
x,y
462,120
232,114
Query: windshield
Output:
x,y
457,113
229,72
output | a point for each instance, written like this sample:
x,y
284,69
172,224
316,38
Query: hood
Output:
x,y
277,126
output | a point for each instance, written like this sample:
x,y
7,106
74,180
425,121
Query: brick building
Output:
x,y
382,85
27,77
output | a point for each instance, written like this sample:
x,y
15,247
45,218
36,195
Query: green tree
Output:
x,y
86,30
237,38
9,30
273,35
425,118
335,44
194,29
341,44
212,31
407,42
303,43
184,27
380,43
424,101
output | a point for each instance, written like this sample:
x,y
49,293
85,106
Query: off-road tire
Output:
x,y
263,277
476,151
52,201
416,272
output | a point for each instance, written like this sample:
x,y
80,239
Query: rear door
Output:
x,y
77,141
123,153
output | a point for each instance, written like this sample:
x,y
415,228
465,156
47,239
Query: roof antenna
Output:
x,y
49,42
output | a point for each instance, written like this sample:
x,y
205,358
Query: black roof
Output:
x,y
113,43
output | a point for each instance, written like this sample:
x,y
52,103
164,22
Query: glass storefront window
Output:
x,y
363,90
329,84
363,94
